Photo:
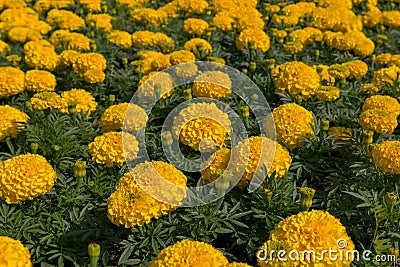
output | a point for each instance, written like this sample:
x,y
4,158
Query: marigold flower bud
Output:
x,y
394,251
244,71
324,125
167,138
28,105
111,98
80,169
254,97
34,148
390,200
244,110
72,107
94,252
368,137
187,94
124,61
252,66
306,196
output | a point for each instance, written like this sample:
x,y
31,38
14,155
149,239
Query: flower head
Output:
x,y
113,118
293,123
131,204
109,149
379,121
189,253
382,102
84,100
296,78
201,125
12,81
256,37
14,253
47,100
328,93
25,177
40,81
386,156
212,84
314,230
12,120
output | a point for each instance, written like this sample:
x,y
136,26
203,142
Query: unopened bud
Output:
x,y
94,253
72,107
394,251
390,200
34,148
187,94
157,90
306,196
252,66
166,138
111,98
124,61
80,169
244,110
324,125
368,137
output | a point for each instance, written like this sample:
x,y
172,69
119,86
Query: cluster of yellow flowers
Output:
x,y
12,81
64,19
25,177
315,230
90,65
114,148
148,38
150,190
202,126
212,84
40,81
14,253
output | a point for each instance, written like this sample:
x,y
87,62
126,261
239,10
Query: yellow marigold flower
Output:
x,y
120,38
171,9
182,56
198,46
293,47
307,35
161,63
262,152
65,19
189,253
12,81
84,100
328,93
89,61
43,58
32,45
364,46
192,7
109,149
48,100
296,78
23,34
293,123
253,36
25,177
78,41
13,253
249,19
212,84
101,21
12,120
4,47
163,41
44,5
341,41
339,71
94,5
60,37
216,60
385,75
382,102
313,230
213,167
143,38
150,16
340,133
40,81
391,18
394,60
195,26
131,204
357,68
272,260
202,126
148,84
186,70
379,121
68,57
372,17
132,4
113,118
223,22
386,156
94,76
